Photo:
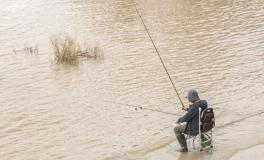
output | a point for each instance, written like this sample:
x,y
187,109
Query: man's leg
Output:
x,y
178,130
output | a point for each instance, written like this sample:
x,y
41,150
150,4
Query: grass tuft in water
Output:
x,y
67,50
64,49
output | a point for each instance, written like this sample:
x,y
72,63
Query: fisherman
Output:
x,y
189,123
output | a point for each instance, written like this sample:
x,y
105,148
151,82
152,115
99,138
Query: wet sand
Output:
x,y
231,140
255,152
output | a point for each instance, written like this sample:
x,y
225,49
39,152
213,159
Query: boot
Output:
x,y
182,141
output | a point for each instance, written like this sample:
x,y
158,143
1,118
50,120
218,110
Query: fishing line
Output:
x,y
142,108
158,54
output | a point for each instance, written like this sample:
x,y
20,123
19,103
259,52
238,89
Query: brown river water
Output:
x,y
55,111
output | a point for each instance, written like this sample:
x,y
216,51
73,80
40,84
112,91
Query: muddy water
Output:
x,y
52,111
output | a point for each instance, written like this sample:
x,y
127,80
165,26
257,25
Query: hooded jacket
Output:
x,y
192,115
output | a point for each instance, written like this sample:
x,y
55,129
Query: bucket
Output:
x,y
206,141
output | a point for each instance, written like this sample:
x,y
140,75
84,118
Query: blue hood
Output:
x,y
193,96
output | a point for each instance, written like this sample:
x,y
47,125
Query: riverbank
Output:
x,y
230,141
255,152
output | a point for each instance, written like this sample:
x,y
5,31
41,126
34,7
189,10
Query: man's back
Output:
x,y
192,117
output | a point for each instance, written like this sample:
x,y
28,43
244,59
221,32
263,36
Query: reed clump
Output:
x,y
64,49
67,50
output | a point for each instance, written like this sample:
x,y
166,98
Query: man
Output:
x,y
189,123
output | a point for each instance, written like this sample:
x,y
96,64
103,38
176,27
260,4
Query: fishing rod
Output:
x,y
157,51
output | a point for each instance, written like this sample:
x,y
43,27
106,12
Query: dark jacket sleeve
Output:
x,y
189,115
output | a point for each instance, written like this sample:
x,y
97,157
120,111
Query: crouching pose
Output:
x,y
189,123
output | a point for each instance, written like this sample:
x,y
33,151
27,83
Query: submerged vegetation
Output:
x,y
33,50
67,50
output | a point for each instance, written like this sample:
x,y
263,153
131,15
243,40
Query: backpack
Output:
x,y
207,120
